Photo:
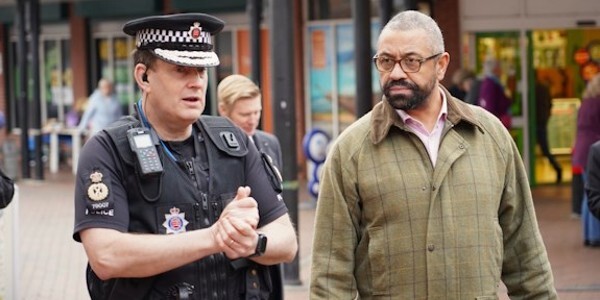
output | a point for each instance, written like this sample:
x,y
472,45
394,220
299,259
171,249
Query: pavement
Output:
x,y
52,265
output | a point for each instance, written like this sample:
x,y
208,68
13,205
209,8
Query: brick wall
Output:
x,y
79,54
446,14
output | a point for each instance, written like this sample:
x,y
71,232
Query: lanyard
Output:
x,y
145,123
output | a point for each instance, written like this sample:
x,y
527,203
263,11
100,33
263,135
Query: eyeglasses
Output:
x,y
409,64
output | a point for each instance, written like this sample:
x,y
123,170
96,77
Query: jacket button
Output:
x,y
430,247
255,285
253,272
461,146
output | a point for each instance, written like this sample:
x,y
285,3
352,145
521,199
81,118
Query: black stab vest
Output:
x,y
154,199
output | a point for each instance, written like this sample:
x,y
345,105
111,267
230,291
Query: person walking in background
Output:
x,y
592,187
462,80
472,96
491,92
102,109
543,110
170,204
240,101
425,197
587,133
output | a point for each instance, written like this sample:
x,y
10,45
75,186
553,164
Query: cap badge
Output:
x,y
175,222
97,191
195,30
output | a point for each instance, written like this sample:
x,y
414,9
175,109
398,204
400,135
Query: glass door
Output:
x,y
56,84
114,62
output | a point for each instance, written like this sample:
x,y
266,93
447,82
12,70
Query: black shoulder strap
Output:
x,y
226,136
117,133
150,186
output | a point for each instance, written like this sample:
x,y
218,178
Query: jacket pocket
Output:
x,y
378,261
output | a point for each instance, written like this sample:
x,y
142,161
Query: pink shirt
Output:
x,y
431,140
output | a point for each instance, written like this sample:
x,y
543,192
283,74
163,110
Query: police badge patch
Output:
x,y
97,193
175,221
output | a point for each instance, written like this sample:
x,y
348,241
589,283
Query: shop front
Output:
x,y
533,46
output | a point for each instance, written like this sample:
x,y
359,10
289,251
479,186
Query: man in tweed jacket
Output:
x,y
425,197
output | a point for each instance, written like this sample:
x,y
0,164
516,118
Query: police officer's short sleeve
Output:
x,y
100,197
270,202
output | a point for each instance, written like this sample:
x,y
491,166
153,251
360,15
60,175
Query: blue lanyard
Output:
x,y
147,124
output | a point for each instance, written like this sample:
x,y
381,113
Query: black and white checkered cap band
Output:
x,y
179,47
148,36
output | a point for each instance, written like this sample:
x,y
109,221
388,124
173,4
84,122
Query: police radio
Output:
x,y
143,143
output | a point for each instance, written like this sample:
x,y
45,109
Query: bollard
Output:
x,y
11,158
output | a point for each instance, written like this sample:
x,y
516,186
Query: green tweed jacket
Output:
x,y
389,225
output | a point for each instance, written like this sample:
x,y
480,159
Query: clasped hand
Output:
x,y
235,231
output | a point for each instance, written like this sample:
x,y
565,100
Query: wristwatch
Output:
x,y
261,246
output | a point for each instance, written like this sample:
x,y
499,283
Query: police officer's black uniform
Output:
x,y
200,176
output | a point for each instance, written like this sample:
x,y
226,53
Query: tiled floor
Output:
x,y
52,264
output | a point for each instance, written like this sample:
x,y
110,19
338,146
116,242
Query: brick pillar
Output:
x,y
447,15
80,59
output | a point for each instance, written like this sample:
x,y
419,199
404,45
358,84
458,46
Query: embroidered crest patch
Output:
x,y
195,30
98,196
175,221
97,191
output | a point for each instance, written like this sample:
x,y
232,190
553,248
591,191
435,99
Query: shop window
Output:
x,y
224,47
234,50
331,75
56,95
114,62
342,9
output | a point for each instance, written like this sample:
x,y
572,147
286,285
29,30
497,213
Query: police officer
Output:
x,y
171,205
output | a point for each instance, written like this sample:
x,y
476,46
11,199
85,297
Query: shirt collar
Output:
x,y
384,116
442,115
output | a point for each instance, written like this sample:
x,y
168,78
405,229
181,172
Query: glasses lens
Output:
x,y
410,64
385,64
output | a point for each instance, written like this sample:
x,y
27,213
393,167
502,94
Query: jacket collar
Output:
x,y
384,116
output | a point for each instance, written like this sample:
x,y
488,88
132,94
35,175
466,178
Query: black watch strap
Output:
x,y
261,245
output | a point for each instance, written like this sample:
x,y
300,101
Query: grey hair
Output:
x,y
489,65
592,89
104,81
412,20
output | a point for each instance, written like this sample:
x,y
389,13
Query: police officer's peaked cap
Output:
x,y
181,39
